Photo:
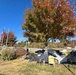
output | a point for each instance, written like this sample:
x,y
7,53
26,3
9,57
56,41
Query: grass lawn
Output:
x,y
23,67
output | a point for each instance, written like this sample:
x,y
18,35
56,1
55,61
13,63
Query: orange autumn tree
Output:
x,y
8,39
49,19
11,41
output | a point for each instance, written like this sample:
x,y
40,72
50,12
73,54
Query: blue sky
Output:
x,y
11,15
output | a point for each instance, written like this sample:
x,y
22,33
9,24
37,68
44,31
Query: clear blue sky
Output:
x,y
11,15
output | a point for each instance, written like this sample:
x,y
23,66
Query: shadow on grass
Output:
x,y
69,69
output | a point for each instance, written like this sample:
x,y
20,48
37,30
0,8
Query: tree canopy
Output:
x,y
49,19
8,39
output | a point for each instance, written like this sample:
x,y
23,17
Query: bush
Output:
x,y
7,54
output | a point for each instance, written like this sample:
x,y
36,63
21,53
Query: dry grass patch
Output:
x,y
23,67
40,69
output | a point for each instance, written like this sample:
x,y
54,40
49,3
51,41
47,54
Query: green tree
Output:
x,y
49,19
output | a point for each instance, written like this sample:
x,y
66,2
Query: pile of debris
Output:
x,y
59,56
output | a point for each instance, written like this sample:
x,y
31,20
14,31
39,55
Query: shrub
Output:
x,y
7,54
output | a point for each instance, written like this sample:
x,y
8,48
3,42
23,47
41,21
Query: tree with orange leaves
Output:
x,y
49,19
8,39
